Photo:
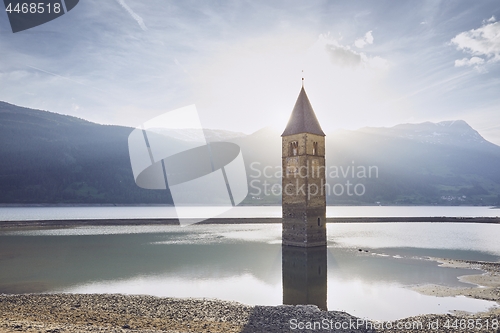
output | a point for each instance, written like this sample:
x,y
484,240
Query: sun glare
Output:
x,y
256,82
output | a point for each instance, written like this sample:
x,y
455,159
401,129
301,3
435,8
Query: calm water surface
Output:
x,y
244,263
61,213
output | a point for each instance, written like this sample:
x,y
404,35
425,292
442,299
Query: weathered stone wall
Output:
x,y
303,186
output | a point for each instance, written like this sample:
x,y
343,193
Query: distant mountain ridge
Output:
x,y
452,132
52,158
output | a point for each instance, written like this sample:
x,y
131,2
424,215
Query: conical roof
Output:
x,y
303,119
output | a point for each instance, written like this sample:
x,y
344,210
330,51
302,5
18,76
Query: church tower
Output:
x,y
303,182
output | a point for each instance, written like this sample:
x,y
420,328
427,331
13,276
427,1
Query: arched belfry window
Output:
x,y
294,148
315,148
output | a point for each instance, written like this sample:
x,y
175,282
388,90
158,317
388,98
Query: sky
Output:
x,y
365,62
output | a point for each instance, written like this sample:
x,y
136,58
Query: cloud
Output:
x,y
367,39
482,43
136,17
345,56
377,62
474,61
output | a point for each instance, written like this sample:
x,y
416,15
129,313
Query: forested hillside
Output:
x,y
50,158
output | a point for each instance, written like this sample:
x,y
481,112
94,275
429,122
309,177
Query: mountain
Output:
x,y
446,163
450,133
51,158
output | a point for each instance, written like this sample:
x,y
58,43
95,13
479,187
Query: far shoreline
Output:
x,y
64,223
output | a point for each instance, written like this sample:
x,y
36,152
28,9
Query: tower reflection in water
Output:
x,y
304,275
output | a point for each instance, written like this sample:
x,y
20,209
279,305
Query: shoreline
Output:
x,y
170,221
484,286
140,313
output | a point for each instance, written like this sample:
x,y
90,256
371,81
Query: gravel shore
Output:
x,y
56,313
120,313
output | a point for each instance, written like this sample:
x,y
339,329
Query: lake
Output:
x,y
245,263
137,212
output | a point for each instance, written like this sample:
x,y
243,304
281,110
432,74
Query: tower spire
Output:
x,y
303,119
303,146
302,78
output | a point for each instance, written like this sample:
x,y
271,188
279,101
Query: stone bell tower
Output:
x,y
303,182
